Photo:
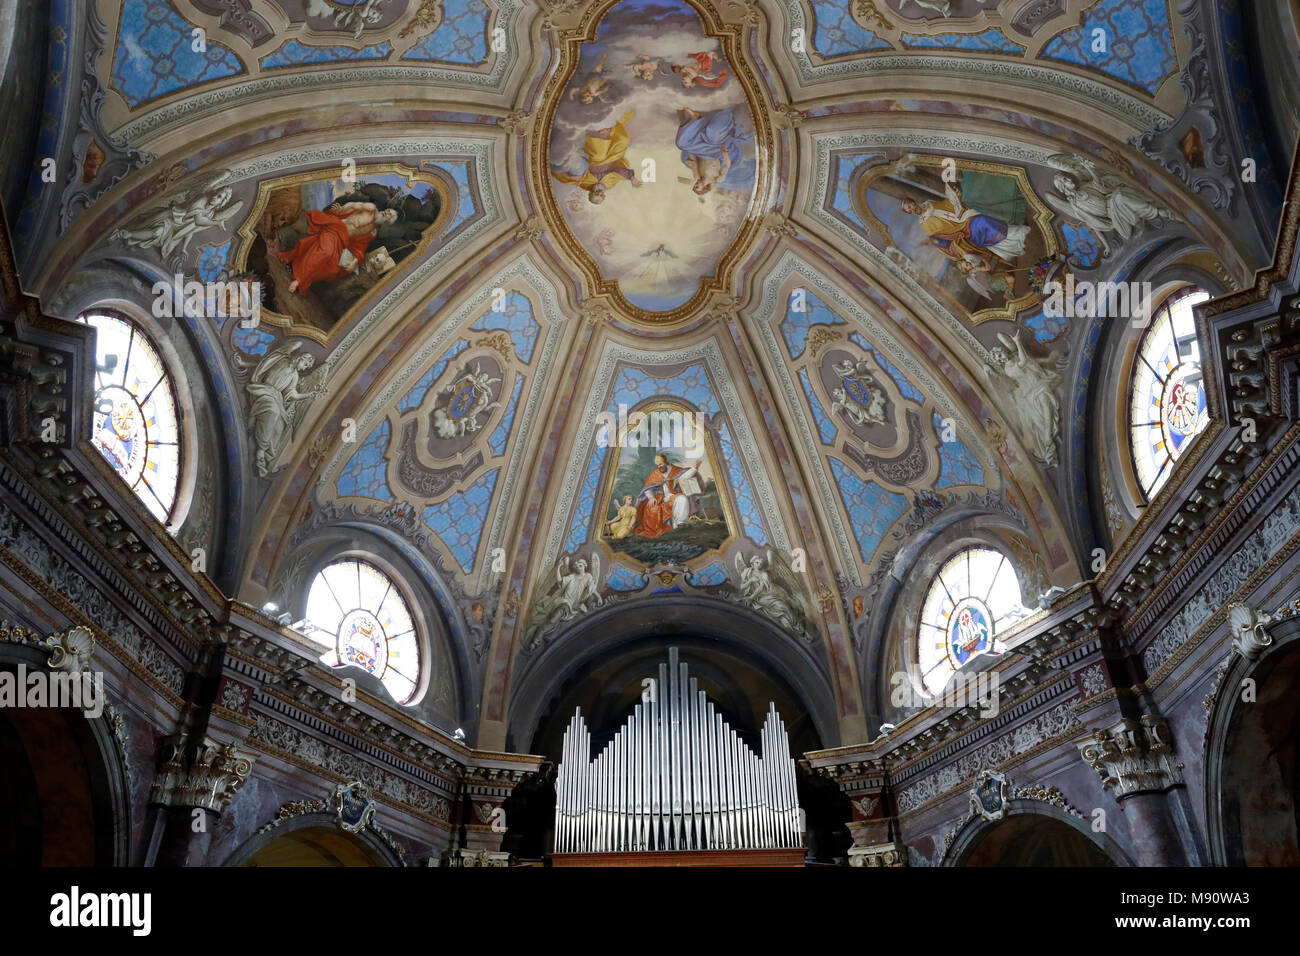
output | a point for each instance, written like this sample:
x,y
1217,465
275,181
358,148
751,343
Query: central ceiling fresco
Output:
x,y
652,154
521,266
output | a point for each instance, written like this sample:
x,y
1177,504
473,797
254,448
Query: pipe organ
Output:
x,y
676,777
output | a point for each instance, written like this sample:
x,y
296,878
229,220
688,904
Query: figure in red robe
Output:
x,y
701,74
665,501
335,243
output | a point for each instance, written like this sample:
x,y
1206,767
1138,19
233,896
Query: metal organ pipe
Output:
x,y
676,777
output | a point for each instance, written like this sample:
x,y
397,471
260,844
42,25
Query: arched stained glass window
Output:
x,y
974,595
136,426
357,613
1167,395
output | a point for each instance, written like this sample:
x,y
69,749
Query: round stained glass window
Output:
x,y
1167,408
136,426
974,595
356,612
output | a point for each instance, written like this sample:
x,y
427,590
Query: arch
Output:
x,y
66,778
891,648
1032,833
1107,478
1252,758
975,589
377,599
440,630
313,839
666,620
158,408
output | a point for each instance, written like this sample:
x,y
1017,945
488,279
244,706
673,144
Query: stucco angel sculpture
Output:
x,y
770,598
170,226
1034,394
1099,199
276,392
574,592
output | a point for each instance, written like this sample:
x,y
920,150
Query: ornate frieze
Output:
x,y
1012,744
318,756
1230,577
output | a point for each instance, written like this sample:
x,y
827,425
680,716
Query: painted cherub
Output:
x,y
646,66
621,526
700,72
981,277
593,84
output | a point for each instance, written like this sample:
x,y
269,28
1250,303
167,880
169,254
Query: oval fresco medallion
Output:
x,y
652,157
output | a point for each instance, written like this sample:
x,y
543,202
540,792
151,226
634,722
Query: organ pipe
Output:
x,y
676,777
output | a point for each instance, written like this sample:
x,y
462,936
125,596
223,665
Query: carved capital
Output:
x,y
1133,756
206,775
881,854
464,857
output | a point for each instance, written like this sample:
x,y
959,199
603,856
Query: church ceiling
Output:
x,y
561,231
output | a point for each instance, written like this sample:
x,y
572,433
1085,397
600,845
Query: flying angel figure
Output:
x,y
593,85
646,66
663,265
1099,199
170,226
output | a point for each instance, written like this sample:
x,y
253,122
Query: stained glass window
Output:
x,y
974,595
357,613
1167,401
136,426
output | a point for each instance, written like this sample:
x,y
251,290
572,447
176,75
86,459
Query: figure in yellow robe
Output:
x,y
607,165
956,230
621,526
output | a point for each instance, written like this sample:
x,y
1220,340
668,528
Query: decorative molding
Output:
x,y
956,68
71,650
1192,146
466,857
1049,795
1011,746
265,87
295,808
1210,601
1247,626
119,157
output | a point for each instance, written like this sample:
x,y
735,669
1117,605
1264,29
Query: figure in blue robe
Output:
x,y
712,146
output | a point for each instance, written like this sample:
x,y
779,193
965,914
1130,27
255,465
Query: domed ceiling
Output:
x,y
507,252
